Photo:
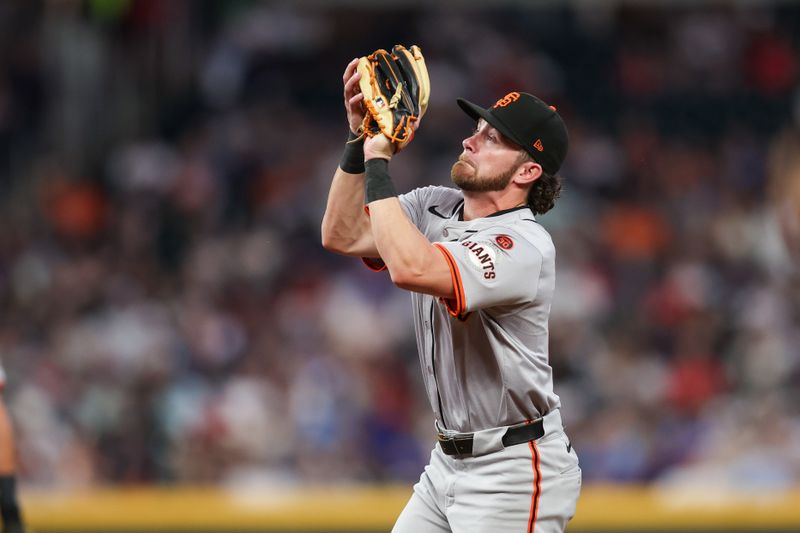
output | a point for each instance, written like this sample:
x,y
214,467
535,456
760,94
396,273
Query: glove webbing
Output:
x,y
403,131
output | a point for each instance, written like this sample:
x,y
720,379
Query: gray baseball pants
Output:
x,y
526,488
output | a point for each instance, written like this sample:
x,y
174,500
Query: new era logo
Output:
x,y
538,145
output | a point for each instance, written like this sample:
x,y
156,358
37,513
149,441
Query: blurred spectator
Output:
x,y
168,315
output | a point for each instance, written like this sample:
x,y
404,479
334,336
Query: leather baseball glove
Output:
x,y
396,89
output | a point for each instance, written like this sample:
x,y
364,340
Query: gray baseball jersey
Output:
x,y
484,354
485,366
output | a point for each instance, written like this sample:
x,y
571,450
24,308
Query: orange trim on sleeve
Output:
x,y
537,487
375,264
454,307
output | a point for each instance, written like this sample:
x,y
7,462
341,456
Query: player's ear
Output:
x,y
528,172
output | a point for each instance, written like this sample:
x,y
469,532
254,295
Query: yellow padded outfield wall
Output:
x,y
358,508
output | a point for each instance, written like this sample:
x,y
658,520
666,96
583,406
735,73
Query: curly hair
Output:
x,y
544,191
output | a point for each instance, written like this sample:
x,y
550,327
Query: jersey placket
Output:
x,y
432,329
454,231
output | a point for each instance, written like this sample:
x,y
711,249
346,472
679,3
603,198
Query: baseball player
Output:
x,y
481,272
9,509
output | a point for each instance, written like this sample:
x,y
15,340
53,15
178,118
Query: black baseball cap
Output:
x,y
528,122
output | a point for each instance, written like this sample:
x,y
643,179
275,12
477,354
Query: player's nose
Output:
x,y
469,143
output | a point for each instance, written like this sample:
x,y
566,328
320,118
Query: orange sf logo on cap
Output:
x,y
507,99
538,145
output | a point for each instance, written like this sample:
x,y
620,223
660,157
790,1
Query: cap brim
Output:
x,y
477,112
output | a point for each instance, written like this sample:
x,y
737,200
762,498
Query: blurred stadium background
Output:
x,y
183,355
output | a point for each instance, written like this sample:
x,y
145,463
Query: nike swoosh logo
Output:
x,y
432,210
466,232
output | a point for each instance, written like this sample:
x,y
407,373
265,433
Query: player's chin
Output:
x,y
461,172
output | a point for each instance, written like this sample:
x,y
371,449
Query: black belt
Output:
x,y
462,444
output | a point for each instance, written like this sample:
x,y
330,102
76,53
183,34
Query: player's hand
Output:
x,y
353,97
378,147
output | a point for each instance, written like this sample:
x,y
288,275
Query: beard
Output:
x,y
466,178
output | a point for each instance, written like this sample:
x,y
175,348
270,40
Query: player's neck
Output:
x,y
483,204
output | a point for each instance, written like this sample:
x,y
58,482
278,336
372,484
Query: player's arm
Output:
x,y
7,463
414,263
9,508
345,226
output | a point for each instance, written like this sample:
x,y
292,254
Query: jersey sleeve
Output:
x,y
492,267
414,202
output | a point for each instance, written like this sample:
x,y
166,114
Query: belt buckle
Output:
x,y
460,444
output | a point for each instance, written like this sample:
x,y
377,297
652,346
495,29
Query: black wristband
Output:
x,y
9,510
353,156
378,183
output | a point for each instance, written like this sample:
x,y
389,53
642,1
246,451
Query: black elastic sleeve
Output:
x,y
9,510
352,160
378,183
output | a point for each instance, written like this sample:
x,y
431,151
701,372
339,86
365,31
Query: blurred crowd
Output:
x,y
169,316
